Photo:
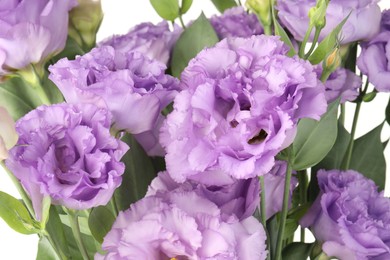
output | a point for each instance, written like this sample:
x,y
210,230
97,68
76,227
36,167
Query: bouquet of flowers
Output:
x,y
220,138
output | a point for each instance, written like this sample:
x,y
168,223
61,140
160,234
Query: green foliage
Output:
x,y
368,158
45,250
196,37
15,214
315,138
166,9
297,250
222,5
185,6
283,35
100,222
327,45
137,177
55,228
388,112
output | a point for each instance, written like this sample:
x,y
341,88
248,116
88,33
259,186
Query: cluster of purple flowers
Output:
x,y
235,108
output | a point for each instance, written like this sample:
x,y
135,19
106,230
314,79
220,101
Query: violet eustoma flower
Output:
x,y
350,217
239,199
30,31
154,41
341,83
66,152
239,108
236,22
374,60
362,24
182,225
134,88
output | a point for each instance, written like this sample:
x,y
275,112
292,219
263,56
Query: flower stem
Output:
x,y
302,178
348,155
313,44
58,251
74,224
305,39
182,22
263,213
286,197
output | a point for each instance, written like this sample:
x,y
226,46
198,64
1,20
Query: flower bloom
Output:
x,y
374,60
134,88
240,198
236,22
30,31
66,152
182,225
8,135
294,15
341,83
350,217
239,108
154,41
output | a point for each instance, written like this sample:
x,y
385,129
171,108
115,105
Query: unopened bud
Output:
x,y
333,61
317,14
262,9
84,22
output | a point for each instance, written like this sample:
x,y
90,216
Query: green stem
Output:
x,y
342,114
286,197
262,202
348,155
20,189
302,178
313,44
325,75
58,251
182,22
114,206
74,224
305,39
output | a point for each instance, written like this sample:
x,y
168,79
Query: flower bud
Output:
x,y
84,22
317,14
8,136
262,9
333,60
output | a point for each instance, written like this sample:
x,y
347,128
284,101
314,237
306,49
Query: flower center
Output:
x,y
260,137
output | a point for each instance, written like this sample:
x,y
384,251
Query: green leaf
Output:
x,y
327,44
55,228
283,35
72,48
185,6
315,138
332,160
297,250
15,214
291,226
45,250
272,234
52,91
222,5
196,37
45,210
88,241
166,9
100,222
18,97
368,158
137,177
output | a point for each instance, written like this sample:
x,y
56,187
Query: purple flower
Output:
x,y
182,225
240,107
154,41
363,22
374,60
134,88
30,31
274,188
341,83
66,152
240,198
236,22
350,217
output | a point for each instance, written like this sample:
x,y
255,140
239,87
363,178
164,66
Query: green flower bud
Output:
x,y
262,8
84,22
317,14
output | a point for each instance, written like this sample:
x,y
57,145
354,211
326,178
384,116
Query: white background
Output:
x,y
120,16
